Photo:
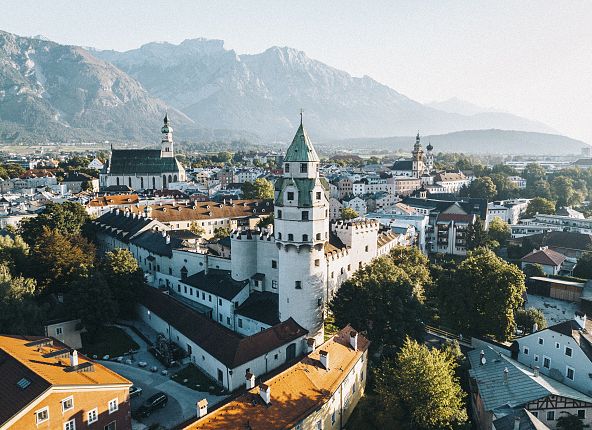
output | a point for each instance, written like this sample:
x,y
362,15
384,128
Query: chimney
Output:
x,y
353,339
249,380
506,373
265,393
516,422
535,327
324,356
73,358
580,318
164,233
167,239
482,358
535,372
202,408
310,344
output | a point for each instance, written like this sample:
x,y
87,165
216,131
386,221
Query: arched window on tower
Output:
x,y
170,179
153,183
175,178
142,183
163,181
117,180
129,181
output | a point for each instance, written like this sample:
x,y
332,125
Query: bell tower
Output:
x,y
167,139
417,158
301,229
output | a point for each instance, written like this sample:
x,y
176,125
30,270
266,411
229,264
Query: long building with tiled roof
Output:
x,y
144,169
46,384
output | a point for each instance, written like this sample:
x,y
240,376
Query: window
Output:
x,y
220,317
304,215
113,406
535,413
42,415
279,236
93,416
290,195
209,297
536,358
287,168
67,403
318,195
240,322
569,373
582,414
333,418
305,237
550,415
568,351
318,236
273,264
185,288
525,350
317,262
557,346
279,214
220,302
111,426
546,362
541,341
70,425
298,285
290,236
203,295
227,320
59,331
332,275
274,284
366,248
303,167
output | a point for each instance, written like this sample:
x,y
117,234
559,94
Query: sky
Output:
x,y
529,58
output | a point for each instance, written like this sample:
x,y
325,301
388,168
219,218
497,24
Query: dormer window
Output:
x,y
290,195
303,168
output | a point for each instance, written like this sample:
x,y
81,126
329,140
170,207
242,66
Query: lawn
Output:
x,y
193,378
110,340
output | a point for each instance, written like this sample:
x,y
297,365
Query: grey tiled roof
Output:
x,y
521,386
148,161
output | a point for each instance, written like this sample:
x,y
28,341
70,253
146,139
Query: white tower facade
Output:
x,y
417,158
167,139
301,229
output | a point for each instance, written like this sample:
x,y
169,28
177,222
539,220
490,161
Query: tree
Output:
x,y
263,189
564,190
526,318
583,268
14,253
483,188
415,264
265,221
382,299
221,233
348,213
422,382
478,237
19,313
534,172
60,259
531,270
481,295
499,230
67,218
125,279
570,422
93,302
197,229
505,188
539,205
11,170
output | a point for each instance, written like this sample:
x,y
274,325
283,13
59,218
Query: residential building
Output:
x,y
507,210
318,392
100,205
47,385
562,352
451,182
502,386
551,261
572,245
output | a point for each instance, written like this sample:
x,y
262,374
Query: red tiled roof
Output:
x,y
546,257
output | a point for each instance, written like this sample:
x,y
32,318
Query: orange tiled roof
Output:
x,y
207,210
55,370
295,392
120,199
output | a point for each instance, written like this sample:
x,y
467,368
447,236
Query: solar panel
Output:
x,y
23,383
82,367
40,342
57,353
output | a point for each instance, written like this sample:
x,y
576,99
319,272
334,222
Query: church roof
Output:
x,y
301,148
147,161
403,165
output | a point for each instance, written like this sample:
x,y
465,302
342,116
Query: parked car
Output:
x,y
156,401
135,391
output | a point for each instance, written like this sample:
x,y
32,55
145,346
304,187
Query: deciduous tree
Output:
x,y
526,318
67,218
348,213
539,205
483,188
583,267
125,278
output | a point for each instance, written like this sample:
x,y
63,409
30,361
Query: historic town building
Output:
x,y
144,169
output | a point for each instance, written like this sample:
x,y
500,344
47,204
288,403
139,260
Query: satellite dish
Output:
x,y
483,361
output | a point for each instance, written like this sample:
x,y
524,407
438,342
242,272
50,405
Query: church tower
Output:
x,y
429,158
301,229
417,158
167,139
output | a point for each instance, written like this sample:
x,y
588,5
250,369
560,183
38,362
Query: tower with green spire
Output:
x,y
167,138
301,229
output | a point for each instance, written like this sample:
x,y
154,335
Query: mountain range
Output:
x,y
53,92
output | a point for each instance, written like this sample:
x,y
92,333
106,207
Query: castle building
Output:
x,y
144,169
287,271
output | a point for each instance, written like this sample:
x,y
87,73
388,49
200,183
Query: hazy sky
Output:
x,y
531,58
